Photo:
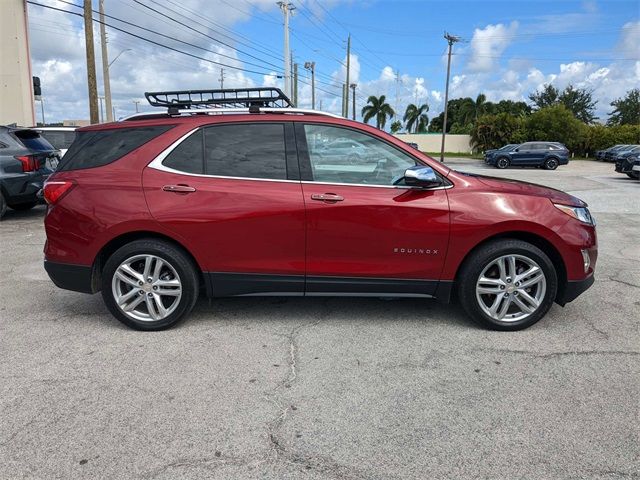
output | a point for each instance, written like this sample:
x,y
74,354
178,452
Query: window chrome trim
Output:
x,y
157,164
402,187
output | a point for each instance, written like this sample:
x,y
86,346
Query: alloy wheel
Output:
x,y
146,288
511,288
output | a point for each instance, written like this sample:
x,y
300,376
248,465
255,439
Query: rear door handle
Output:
x,y
327,197
178,188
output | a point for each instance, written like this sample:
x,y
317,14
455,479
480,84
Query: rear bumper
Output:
x,y
23,188
78,278
573,289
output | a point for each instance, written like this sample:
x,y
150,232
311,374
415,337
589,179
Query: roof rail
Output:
x,y
226,111
222,98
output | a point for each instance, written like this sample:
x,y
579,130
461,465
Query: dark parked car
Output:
x,y
611,154
25,161
547,155
635,170
244,204
600,154
626,163
492,153
413,145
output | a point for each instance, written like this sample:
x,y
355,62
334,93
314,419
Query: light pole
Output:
x,y
451,39
353,88
101,99
286,8
118,56
42,108
312,67
136,102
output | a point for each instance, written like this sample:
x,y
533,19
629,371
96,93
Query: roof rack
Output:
x,y
226,111
251,98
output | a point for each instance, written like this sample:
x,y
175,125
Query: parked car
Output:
x,y
626,163
413,145
150,209
25,159
600,154
547,155
636,168
489,154
610,155
622,154
60,137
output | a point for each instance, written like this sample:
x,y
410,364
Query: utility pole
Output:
x,y
221,79
136,102
451,39
346,102
312,66
42,107
295,84
91,63
286,8
353,87
345,105
105,63
101,99
397,91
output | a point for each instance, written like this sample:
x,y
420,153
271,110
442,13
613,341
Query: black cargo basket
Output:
x,y
222,98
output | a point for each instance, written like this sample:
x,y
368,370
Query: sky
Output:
x,y
508,49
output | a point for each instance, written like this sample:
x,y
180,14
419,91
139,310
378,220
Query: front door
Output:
x,y
232,194
366,232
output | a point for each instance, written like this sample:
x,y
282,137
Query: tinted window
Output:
x,y
366,161
100,147
246,150
188,156
32,140
60,139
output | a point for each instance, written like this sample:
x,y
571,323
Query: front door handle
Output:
x,y
327,197
178,188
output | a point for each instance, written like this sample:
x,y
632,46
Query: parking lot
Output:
x,y
326,388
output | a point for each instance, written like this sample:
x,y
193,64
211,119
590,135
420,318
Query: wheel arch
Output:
x,y
539,241
115,243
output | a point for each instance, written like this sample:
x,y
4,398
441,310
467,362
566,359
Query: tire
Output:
x,y
632,175
179,298
3,206
484,263
502,163
22,207
551,163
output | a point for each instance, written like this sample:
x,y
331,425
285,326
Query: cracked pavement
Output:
x,y
326,388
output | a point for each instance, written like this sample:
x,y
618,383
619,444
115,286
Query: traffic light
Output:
x,y
37,91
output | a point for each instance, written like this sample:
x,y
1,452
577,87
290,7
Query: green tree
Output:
x,y
578,101
494,131
557,124
471,109
379,109
453,115
396,126
415,117
626,110
520,109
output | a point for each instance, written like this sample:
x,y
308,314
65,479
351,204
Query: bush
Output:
x,y
494,131
557,124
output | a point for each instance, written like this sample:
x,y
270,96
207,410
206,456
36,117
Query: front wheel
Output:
x,y
149,284
507,285
551,163
502,162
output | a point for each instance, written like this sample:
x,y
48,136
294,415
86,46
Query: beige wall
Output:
x,y
428,142
16,85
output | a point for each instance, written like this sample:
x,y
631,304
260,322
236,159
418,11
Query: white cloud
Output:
x,y
488,44
629,44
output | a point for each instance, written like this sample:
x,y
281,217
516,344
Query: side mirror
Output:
x,y
421,176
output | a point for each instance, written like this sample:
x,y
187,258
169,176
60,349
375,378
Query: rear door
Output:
x,y
232,192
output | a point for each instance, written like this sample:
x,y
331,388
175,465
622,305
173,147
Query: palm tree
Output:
x,y
378,108
470,110
416,117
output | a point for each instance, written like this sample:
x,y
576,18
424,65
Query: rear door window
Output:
x,y
246,150
96,148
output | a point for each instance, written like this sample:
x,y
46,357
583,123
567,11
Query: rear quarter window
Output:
x,y
96,148
32,140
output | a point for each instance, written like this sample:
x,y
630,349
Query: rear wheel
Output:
x,y
551,163
502,162
507,285
3,205
149,284
21,207
632,175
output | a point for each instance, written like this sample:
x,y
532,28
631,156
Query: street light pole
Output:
x,y
136,102
42,108
451,39
286,8
312,66
353,87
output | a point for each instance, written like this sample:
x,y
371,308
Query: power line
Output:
x,y
153,41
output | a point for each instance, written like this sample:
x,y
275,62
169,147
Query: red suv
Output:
x,y
267,200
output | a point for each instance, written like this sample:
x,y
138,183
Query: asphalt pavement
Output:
x,y
326,388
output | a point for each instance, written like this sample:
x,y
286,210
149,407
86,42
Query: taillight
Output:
x,y
29,163
55,190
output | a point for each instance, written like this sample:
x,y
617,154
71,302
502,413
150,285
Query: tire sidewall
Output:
x,y
170,254
481,258
551,163
3,206
502,163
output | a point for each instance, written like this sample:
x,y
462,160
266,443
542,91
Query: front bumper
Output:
x,y
573,289
78,278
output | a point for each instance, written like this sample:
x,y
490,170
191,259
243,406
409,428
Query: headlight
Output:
x,y
579,213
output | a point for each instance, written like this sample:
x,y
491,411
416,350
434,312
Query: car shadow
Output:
x,y
36,212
